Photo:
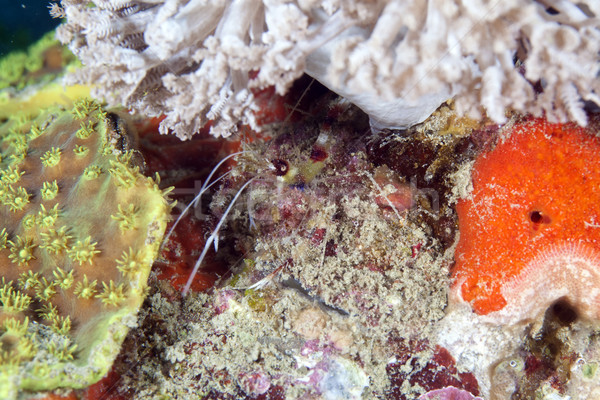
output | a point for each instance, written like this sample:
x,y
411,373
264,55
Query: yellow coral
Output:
x,y
77,239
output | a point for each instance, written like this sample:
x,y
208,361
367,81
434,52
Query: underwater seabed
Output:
x,y
334,268
335,274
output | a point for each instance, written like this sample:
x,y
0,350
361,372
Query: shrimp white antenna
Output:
x,y
213,236
205,187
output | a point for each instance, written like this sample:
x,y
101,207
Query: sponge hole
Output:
x,y
538,217
564,312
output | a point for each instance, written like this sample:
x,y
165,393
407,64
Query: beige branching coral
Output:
x,y
196,60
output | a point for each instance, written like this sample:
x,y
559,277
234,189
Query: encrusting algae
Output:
x,y
79,229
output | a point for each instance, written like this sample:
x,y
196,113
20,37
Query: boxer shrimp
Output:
x,y
308,205
275,172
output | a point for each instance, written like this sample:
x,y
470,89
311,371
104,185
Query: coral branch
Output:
x,y
398,60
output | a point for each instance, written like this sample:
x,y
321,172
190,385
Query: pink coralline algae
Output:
x,y
449,393
255,383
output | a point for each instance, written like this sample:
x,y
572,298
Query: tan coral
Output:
x,y
79,229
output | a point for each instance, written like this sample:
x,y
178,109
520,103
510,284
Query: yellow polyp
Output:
x,y
92,172
86,289
29,279
35,131
26,348
49,190
63,351
61,325
51,158
112,294
45,289
64,280
130,263
126,218
124,176
11,175
15,327
84,107
12,300
85,131
47,218
81,151
18,199
48,312
28,222
55,240
83,251
21,250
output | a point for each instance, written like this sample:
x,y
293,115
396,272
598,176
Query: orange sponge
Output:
x,y
530,233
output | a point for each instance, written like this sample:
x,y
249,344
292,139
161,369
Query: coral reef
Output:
x,y
526,264
325,279
448,393
529,230
79,230
196,60
335,245
42,62
29,80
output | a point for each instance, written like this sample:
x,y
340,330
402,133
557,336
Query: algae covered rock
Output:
x,y
79,229
30,81
40,63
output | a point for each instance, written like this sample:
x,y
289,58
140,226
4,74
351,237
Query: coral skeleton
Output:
x,y
199,60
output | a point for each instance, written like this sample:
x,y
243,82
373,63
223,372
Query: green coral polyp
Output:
x,y
66,192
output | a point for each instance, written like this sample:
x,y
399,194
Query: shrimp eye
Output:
x,y
281,167
318,154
